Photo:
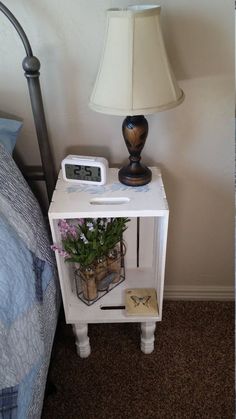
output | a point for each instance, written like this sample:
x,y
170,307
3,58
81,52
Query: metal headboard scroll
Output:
x,y
31,66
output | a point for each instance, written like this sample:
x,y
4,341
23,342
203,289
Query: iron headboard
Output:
x,y
31,66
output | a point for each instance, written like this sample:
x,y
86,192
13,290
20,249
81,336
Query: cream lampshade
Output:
x,y
134,78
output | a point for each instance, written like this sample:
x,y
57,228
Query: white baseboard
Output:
x,y
189,292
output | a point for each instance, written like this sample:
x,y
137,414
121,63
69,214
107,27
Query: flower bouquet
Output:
x,y
96,248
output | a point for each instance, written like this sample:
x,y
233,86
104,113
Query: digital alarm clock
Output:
x,y
85,169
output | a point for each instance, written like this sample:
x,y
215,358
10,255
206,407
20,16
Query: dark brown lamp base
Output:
x,y
135,174
135,131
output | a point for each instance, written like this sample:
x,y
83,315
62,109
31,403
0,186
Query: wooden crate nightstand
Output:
x,y
146,239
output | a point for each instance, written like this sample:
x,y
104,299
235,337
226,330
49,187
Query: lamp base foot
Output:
x,y
135,174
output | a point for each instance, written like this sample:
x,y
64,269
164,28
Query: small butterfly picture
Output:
x,y
141,301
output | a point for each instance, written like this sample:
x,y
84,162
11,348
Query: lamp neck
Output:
x,y
135,120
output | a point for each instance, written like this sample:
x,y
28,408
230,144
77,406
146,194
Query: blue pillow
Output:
x,y
9,131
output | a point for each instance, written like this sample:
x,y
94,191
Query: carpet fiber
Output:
x,y
189,375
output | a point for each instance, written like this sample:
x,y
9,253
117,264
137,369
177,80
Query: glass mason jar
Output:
x,y
101,273
114,263
87,277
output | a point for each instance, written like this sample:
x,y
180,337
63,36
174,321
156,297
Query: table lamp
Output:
x,y
134,78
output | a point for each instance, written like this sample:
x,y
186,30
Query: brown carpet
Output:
x,y
189,375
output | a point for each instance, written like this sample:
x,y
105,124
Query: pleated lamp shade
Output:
x,y
135,76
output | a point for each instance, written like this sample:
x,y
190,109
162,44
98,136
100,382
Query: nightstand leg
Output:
x,y
147,337
82,339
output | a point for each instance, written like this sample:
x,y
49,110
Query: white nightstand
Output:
x,y
147,207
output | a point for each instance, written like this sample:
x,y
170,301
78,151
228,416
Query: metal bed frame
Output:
x,y
31,66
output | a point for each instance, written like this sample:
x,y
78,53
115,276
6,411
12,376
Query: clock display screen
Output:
x,y
79,172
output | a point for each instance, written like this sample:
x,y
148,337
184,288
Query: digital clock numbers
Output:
x,y
85,169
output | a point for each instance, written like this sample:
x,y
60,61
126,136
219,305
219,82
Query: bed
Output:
x,y
30,296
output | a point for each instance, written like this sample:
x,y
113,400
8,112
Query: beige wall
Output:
x,y
193,144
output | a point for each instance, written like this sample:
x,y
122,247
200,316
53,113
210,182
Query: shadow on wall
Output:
x,y
60,75
201,226
98,151
199,42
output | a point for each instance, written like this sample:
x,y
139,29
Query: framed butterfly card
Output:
x,y
141,301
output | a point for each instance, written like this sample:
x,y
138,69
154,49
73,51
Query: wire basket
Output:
x,y
92,283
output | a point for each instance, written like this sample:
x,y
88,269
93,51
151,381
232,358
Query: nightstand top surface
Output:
x,y
111,200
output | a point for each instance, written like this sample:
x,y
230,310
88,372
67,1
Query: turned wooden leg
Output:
x,y
147,337
82,339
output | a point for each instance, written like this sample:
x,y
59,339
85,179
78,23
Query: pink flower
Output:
x,y
63,227
67,229
54,247
73,231
60,251
63,253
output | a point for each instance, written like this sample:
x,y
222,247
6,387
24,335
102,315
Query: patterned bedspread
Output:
x,y
29,297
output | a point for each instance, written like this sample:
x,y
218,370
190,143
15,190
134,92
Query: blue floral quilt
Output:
x,y
29,296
